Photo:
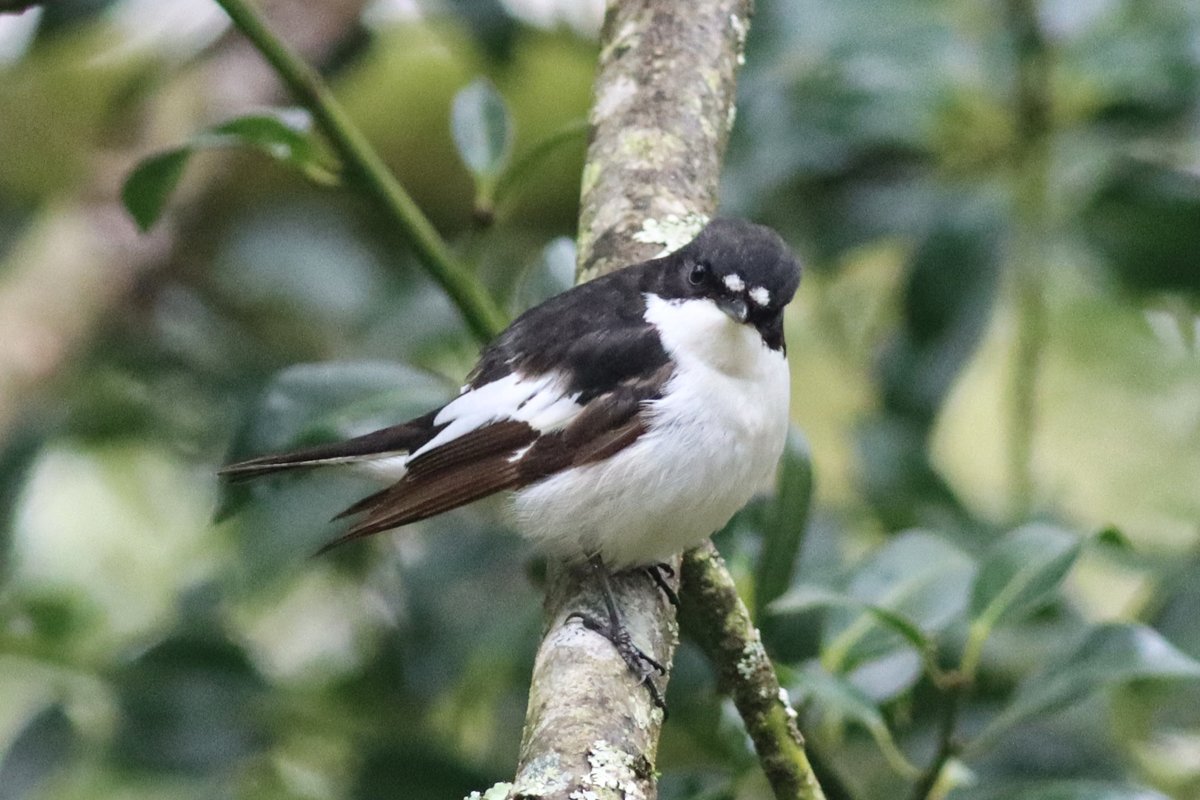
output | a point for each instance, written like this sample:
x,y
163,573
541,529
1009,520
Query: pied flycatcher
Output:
x,y
631,416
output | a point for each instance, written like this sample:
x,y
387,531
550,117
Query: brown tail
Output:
x,y
475,465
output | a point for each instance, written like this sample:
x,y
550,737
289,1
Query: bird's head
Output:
x,y
744,268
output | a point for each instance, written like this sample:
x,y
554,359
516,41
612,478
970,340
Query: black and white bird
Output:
x,y
630,416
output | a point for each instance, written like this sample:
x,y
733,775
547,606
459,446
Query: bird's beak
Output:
x,y
735,307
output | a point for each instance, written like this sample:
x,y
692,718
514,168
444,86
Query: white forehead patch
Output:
x,y
734,283
760,296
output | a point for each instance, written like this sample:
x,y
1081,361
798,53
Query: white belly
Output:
x,y
714,441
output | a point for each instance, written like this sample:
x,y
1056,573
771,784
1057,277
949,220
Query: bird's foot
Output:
x,y
636,659
639,662
659,573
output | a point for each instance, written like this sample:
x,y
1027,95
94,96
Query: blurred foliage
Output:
x,y
285,138
918,616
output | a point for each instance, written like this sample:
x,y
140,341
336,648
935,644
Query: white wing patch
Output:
x,y
538,400
760,296
552,415
385,467
500,398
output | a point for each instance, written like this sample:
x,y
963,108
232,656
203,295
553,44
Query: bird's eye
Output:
x,y
698,273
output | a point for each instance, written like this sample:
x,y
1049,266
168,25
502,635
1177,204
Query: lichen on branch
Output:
x,y
715,616
664,102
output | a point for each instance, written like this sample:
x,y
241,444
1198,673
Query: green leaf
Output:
x,y
1018,575
43,746
786,519
1143,219
1021,571
530,159
272,135
919,576
285,136
806,598
838,698
1055,790
1111,654
482,130
191,704
148,187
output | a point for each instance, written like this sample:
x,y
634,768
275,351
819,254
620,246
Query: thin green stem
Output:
x,y
481,313
532,158
973,650
1031,163
926,785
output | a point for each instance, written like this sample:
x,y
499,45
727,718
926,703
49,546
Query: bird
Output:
x,y
629,417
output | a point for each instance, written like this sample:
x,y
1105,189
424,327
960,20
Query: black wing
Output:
x,y
595,335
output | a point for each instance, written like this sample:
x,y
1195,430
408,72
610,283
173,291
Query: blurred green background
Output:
x,y
995,366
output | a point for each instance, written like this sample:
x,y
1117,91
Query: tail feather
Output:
x,y
427,496
368,502
396,440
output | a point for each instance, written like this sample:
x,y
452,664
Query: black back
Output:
x,y
596,333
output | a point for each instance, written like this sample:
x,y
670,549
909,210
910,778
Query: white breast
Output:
x,y
715,438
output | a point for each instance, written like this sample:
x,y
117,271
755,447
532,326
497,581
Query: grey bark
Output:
x,y
664,104
662,113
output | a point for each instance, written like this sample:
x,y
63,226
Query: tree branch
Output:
x,y
663,109
664,104
482,315
716,617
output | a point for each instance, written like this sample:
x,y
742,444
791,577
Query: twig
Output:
x,y
717,618
534,157
482,315
947,746
1032,109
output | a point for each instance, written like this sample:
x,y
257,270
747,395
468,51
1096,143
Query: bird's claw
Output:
x,y
639,662
659,573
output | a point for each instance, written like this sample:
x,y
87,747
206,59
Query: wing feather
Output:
x,y
505,436
508,454
412,501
